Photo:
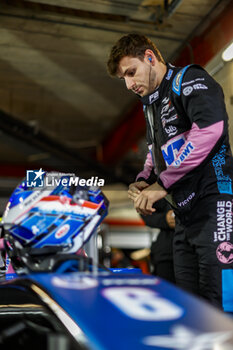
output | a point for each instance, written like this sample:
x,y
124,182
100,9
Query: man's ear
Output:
x,y
149,56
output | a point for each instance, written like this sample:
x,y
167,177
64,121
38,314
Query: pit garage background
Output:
x,y
59,110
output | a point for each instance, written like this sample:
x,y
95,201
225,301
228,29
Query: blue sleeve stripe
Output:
x,y
227,290
177,81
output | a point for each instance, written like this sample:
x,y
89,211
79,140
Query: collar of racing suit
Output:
x,y
158,92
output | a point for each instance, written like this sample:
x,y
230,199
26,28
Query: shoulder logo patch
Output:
x,y
187,91
177,81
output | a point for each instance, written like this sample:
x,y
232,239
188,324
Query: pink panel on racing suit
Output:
x,y
198,145
148,166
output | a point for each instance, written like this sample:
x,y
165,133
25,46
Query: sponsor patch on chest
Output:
x,y
171,149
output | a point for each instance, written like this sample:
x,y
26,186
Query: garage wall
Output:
x,y
225,79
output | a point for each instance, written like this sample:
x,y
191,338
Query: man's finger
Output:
x,y
149,206
141,204
133,196
133,188
134,192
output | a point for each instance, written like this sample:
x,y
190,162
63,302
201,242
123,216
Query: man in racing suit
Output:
x,y
189,162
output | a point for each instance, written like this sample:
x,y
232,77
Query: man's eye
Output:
x,y
131,73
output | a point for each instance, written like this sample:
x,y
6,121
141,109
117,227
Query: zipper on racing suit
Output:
x,y
153,138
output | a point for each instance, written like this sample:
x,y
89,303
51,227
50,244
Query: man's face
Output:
x,y
139,75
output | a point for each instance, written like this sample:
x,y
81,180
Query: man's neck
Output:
x,y
163,71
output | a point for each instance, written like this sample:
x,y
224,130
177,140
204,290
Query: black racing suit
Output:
x,y
189,151
161,256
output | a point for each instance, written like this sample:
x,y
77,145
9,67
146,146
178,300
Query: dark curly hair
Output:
x,y
133,45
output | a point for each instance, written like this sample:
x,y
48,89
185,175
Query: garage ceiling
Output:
x,y
58,106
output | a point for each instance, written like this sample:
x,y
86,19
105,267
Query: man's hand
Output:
x,y
136,188
170,218
144,201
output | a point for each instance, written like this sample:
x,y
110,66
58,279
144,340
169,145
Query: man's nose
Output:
x,y
129,83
